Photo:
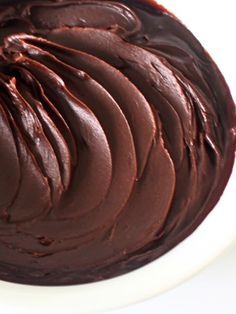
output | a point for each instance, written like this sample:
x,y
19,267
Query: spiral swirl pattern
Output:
x,y
117,138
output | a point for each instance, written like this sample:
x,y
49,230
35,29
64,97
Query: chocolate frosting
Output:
x,y
117,137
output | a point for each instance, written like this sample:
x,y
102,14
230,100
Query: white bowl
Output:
x,y
211,238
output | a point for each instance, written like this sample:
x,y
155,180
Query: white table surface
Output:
x,y
213,291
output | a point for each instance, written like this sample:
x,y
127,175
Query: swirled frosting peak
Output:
x,y
117,137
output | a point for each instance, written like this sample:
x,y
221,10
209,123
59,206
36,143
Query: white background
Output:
x,y
213,291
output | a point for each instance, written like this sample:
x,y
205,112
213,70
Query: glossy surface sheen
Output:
x,y
117,138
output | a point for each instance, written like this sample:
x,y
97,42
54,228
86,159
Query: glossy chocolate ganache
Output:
x,y
117,138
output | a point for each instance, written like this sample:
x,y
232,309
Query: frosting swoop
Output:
x,y
117,138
